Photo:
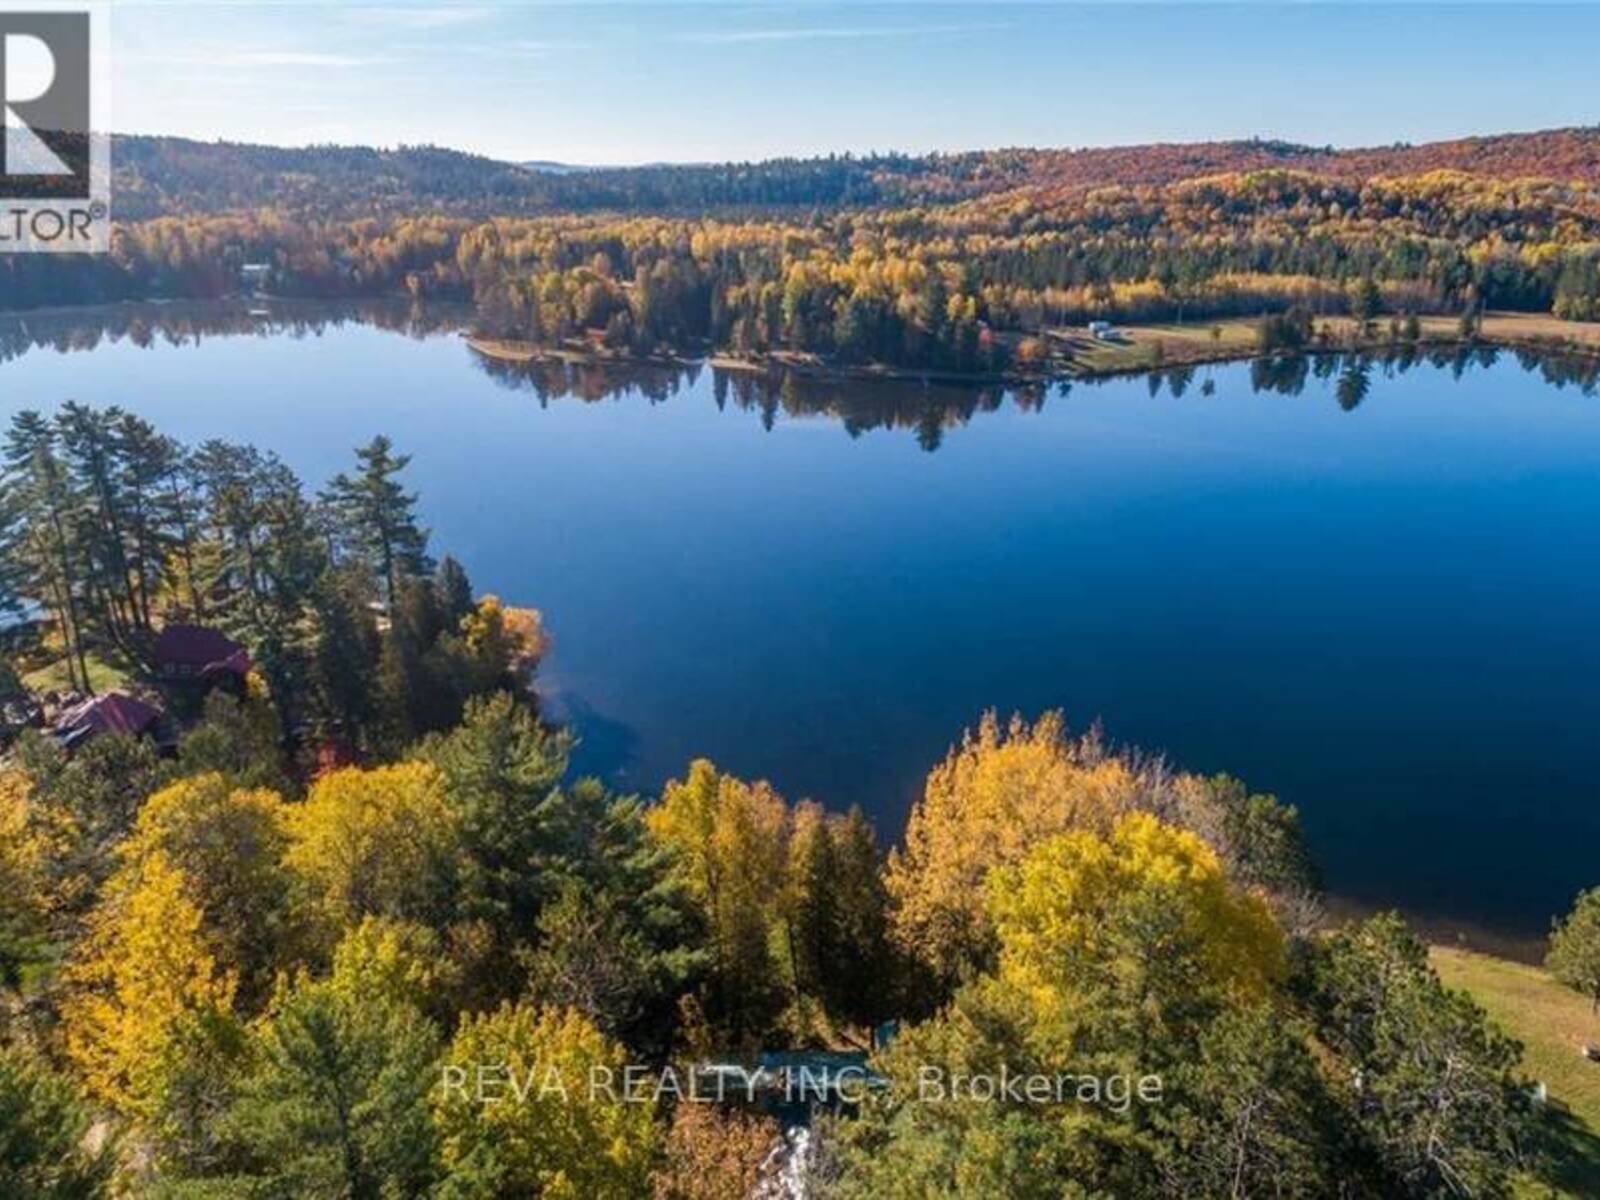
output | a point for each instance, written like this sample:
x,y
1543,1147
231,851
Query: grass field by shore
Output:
x,y
1158,346
1552,1022
1072,351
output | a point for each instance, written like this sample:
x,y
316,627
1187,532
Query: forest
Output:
x,y
167,176
253,951
959,263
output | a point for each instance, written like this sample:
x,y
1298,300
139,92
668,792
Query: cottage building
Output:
x,y
115,712
198,654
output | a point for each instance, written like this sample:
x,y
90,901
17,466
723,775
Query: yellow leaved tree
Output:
x,y
23,899
1083,914
383,960
228,844
532,1102
996,795
151,1010
731,841
185,943
378,842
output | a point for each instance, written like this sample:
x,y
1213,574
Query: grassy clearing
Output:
x,y
1552,1023
1138,348
1152,347
104,676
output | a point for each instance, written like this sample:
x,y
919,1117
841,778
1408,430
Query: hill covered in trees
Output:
x,y
1564,154
164,176
961,263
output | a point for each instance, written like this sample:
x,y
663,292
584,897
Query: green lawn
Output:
x,y
103,675
1136,350
1552,1022
1204,340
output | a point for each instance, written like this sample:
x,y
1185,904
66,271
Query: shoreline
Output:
x,y
1188,345
806,366
1072,354
1141,349
1461,934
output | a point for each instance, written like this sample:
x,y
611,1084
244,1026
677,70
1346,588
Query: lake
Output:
x,y
1372,591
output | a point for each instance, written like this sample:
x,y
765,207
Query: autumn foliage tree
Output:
x,y
150,1024
991,800
712,1155
517,1115
729,837
1007,787
1117,953
379,842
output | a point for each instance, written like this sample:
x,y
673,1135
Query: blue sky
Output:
x,y
618,83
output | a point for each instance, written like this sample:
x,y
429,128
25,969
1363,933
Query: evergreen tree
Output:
x,y
45,1150
241,740
1574,955
1441,1104
1365,300
149,464
261,561
860,984
812,919
1252,1115
637,926
452,591
40,534
344,657
337,1107
501,770
376,516
88,449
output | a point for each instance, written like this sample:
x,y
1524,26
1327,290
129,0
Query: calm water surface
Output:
x,y
1385,613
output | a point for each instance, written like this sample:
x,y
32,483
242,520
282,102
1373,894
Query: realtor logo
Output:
x,y
44,66
55,154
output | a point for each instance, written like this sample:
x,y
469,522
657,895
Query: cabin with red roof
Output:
x,y
115,712
199,654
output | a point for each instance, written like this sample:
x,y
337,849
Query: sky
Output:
x,y
648,82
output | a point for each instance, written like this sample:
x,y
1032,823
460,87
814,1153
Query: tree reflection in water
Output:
x,y
927,410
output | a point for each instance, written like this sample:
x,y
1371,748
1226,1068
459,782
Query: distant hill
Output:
x,y
546,167
1565,154
162,175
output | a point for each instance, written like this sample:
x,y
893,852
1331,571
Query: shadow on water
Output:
x,y
606,748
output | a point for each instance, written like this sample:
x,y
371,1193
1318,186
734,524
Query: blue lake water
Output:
x,y
1386,614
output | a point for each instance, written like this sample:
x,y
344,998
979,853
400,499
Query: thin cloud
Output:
x,y
441,16
726,37
294,58
512,50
